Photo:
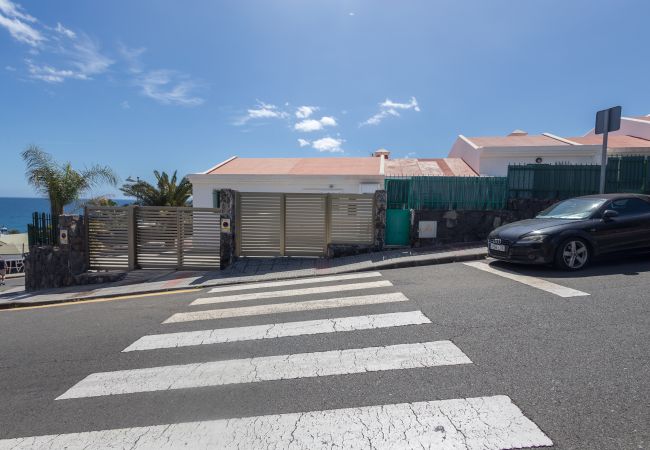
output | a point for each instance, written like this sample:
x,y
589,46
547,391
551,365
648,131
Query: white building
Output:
x,y
289,175
491,155
636,127
334,175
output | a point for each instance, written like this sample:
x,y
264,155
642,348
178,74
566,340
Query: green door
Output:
x,y
398,224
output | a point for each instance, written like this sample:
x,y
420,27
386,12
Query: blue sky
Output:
x,y
161,84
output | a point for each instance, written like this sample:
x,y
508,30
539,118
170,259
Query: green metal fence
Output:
x,y
478,193
537,181
43,230
560,181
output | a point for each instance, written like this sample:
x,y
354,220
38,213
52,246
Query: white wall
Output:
x,y
472,156
632,127
498,166
494,161
203,184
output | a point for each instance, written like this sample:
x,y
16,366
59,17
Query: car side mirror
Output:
x,y
609,214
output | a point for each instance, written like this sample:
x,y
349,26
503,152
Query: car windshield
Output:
x,y
575,208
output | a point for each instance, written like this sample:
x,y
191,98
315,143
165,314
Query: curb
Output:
x,y
376,266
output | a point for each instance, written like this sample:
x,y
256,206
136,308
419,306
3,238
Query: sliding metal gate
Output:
x,y
261,225
302,224
305,229
153,237
351,219
107,231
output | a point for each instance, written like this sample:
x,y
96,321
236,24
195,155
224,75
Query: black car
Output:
x,y
573,232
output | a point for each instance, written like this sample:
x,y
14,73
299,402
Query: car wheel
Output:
x,y
572,254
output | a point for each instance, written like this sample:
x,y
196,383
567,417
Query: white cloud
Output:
x,y
328,121
169,88
21,31
79,57
10,9
412,104
125,105
86,56
262,111
265,111
74,58
51,74
310,125
303,142
81,61
64,31
389,108
328,145
303,112
132,57
10,68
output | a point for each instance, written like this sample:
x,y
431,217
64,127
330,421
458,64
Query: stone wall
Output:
x,y
228,207
458,226
57,266
380,203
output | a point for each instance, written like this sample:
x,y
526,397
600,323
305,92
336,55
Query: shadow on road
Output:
x,y
619,265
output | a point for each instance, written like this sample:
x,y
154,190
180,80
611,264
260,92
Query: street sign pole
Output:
x,y
606,120
603,160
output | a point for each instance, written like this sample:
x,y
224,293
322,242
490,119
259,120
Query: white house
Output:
x,y
636,127
289,176
491,155
336,175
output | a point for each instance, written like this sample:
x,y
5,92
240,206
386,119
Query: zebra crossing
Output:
x,y
491,422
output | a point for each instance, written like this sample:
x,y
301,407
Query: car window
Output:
x,y
575,208
630,206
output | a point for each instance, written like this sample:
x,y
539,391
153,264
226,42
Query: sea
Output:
x,y
16,212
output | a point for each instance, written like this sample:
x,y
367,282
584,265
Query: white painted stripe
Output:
x,y
274,284
276,330
291,292
268,368
279,308
473,423
537,283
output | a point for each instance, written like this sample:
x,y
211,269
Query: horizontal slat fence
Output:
x,y
108,237
351,219
152,237
200,238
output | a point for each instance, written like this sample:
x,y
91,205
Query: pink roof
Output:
x,y
613,141
299,166
646,118
449,167
515,141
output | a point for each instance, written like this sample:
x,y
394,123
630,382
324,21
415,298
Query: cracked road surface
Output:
x,y
444,357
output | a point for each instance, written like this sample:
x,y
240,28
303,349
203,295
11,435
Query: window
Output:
x,y
575,208
216,198
630,206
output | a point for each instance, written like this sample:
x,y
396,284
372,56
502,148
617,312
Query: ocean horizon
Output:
x,y
16,212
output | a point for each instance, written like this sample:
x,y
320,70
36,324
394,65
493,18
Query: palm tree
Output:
x,y
167,191
60,182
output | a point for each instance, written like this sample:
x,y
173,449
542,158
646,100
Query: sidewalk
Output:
x,y
245,270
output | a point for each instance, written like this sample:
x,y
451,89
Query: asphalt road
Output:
x,y
577,367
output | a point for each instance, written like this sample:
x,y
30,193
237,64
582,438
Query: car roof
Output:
x,y
617,196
